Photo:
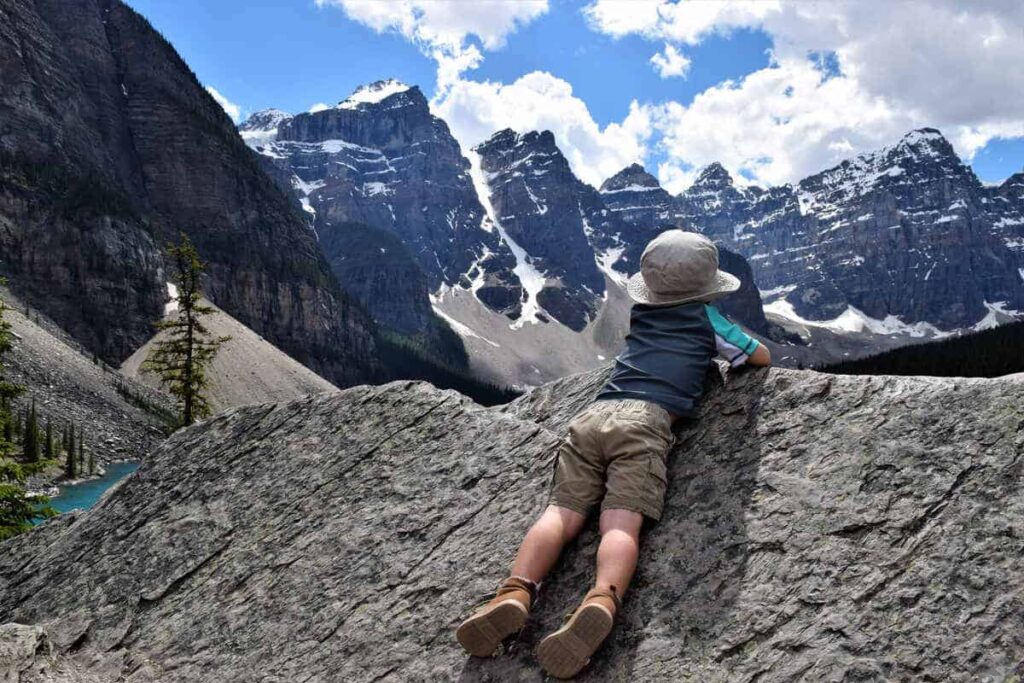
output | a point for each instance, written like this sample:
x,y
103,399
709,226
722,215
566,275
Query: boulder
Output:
x,y
817,527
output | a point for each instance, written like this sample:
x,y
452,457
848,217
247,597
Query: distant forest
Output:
x,y
989,353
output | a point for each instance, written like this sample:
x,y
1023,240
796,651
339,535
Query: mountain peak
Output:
x,y
375,92
713,175
926,142
633,177
264,120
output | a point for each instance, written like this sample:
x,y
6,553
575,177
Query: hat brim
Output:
x,y
723,284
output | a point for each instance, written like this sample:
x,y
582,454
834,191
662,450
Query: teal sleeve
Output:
x,y
730,332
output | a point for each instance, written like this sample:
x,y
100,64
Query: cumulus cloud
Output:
x,y
670,62
456,34
844,77
229,107
442,28
541,101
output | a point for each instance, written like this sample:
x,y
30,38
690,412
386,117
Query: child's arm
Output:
x,y
735,345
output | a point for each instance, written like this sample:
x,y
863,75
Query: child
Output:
x,y
616,448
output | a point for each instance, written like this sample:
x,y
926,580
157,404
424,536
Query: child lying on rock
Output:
x,y
615,452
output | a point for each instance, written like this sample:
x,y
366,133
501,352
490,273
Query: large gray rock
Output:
x,y
817,528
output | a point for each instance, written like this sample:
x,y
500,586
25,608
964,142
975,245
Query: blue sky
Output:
x,y
292,54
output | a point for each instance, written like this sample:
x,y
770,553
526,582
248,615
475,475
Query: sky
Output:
x,y
773,90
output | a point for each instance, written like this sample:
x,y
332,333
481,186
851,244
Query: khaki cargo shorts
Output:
x,y
615,453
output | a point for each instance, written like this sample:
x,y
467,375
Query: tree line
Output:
x,y
989,353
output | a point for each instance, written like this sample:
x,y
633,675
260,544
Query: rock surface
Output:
x,y
817,528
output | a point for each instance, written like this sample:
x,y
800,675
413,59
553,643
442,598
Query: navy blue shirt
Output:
x,y
669,350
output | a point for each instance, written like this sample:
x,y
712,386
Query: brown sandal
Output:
x,y
564,653
499,618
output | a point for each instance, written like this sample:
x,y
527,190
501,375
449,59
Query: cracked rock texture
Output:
x,y
816,528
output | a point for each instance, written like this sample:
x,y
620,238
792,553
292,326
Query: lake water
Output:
x,y
83,496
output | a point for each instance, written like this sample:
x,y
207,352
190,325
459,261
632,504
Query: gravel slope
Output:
x,y
247,370
120,417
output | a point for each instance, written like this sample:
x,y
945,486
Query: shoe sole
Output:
x,y
481,634
564,653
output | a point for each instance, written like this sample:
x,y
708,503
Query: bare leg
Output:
x,y
619,549
544,542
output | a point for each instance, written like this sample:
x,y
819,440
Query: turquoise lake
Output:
x,y
83,496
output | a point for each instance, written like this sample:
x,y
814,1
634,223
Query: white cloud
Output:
x,y
442,28
229,107
891,67
319,106
670,62
685,22
540,101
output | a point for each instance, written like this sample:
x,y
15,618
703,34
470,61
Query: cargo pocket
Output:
x,y
658,484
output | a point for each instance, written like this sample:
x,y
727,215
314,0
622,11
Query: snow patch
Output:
x,y
632,188
853,320
606,259
531,279
777,291
997,314
373,93
460,329
172,305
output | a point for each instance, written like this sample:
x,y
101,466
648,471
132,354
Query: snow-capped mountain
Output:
x,y
521,257
906,235
546,212
381,159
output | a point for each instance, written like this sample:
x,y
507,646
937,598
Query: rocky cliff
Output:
x,y
380,158
109,147
817,528
906,237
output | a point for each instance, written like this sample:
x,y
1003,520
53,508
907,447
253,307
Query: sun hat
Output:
x,y
679,267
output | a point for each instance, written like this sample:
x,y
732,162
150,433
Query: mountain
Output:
x,y
550,215
110,148
905,237
381,159
815,528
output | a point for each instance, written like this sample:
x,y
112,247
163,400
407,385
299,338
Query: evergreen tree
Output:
x,y
182,358
17,509
70,464
30,442
48,444
8,429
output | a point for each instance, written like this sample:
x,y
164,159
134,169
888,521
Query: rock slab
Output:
x,y
816,528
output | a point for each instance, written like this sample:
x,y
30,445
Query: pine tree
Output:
x,y
70,465
30,442
48,444
17,509
182,358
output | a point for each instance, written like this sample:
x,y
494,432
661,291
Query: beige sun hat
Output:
x,y
678,267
